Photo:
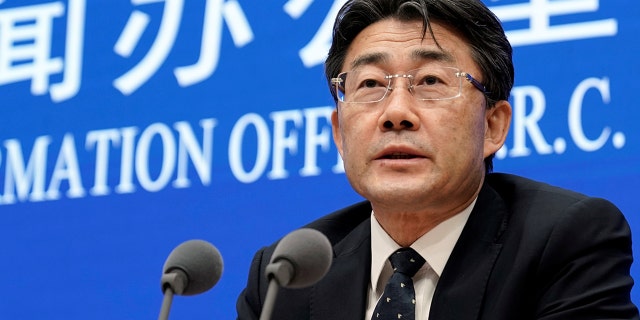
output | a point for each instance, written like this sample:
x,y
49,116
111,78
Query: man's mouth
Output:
x,y
399,155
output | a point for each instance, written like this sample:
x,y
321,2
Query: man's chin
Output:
x,y
400,192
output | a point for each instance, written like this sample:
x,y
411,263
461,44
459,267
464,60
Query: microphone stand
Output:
x,y
174,281
166,304
270,299
279,273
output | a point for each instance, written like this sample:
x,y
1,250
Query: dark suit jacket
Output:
x,y
528,251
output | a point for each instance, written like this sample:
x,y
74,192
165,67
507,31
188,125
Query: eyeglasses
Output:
x,y
368,84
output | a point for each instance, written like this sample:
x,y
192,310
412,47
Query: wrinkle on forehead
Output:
x,y
401,45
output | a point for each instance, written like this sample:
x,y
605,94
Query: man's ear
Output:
x,y
498,120
335,128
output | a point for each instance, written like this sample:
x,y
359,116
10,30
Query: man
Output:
x,y
421,88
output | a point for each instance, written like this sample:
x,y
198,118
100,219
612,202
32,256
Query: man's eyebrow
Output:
x,y
370,58
418,55
432,55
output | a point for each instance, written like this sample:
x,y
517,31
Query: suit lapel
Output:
x,y
342,293
461,287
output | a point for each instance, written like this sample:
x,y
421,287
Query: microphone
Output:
x,y
192,267
300,259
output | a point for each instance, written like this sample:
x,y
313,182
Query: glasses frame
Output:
x,y
459,74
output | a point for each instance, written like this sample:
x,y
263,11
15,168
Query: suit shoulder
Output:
x,y
338,224
513,186
537,201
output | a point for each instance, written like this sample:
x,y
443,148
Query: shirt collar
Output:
x,y
434,246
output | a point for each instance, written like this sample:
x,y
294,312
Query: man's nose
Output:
x,y
400,107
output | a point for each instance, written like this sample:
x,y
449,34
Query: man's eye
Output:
x,y
430,80
370,83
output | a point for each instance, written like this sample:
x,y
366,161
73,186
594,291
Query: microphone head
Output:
x,y
200,261
309,252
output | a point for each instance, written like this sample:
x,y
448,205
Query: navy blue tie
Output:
x,y
398,300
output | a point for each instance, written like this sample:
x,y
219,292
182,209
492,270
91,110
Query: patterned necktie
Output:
x,y
399,298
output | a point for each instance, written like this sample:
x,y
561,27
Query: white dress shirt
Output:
x,y
434,246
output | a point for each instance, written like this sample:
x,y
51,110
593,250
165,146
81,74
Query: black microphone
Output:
x,y
300,259
192,267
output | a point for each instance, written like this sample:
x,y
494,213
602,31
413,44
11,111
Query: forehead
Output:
x,y
400,45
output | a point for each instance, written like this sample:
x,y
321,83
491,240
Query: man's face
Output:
x,y
407,154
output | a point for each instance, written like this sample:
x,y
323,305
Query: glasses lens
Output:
x,y
436,83
363,85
